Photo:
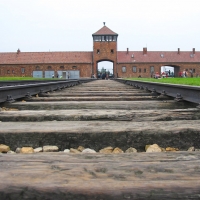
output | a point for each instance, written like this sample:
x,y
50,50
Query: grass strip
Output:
x,y
180,81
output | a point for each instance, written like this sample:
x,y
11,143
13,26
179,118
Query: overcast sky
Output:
x,y
68,25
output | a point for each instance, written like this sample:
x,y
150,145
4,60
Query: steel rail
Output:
x,y
10,93
25,82
179,92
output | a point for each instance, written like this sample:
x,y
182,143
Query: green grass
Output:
x,y
24,79
181,81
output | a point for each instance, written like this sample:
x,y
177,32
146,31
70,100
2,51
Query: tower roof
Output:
x,y
104,31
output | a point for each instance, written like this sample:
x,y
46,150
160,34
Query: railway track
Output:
x,y
179,92
11,90
96,115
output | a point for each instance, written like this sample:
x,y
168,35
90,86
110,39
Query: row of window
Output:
x,y
37,68
49,67
105,38
134,69
61,67
190,70
111,51
13,71
9,71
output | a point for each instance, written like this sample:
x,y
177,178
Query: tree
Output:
x,y
101,71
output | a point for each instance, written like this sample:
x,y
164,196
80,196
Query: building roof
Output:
x,y
104,31
158,57
86,57
45,57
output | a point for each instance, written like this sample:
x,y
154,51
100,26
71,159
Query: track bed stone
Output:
x,y
99,134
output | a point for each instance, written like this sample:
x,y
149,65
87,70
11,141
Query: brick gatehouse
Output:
x,y
83,64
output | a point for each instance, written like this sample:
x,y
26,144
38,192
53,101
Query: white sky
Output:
x,y
68,25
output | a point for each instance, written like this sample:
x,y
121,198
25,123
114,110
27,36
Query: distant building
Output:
x,y
84,64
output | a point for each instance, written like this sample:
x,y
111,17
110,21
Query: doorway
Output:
x,y
170,71
104,68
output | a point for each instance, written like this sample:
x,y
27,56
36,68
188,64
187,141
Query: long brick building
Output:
x,y
83,64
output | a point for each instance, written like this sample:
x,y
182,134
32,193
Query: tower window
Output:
x,y
140,70
112,51
98,51
145,70
96,38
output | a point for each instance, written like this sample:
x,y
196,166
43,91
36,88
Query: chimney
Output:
x,y
18,51
127,51
193,50
144,50
178,50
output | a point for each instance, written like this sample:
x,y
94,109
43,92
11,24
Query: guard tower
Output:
x,y
104,48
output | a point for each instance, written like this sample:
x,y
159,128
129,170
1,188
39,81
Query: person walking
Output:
x,y
184,73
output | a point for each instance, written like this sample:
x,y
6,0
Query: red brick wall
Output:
x,y
16,70
104,54
157,68
86,69
188,66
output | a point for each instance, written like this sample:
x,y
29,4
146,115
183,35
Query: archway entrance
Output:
x,y
170,71
104,68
